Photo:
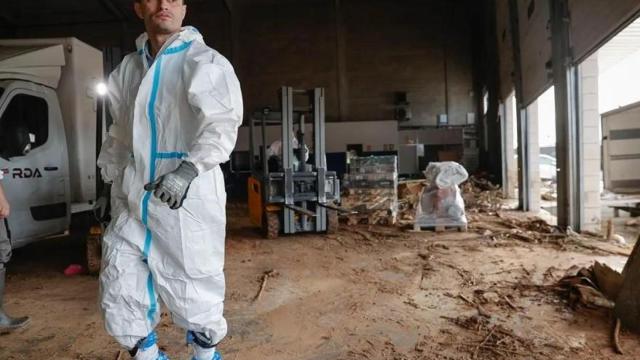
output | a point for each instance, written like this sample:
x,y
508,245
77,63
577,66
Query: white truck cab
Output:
x,y
49,131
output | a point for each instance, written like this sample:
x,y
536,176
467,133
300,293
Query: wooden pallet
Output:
x,y
440,228
380,217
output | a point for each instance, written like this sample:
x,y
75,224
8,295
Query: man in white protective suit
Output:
x,y
176,106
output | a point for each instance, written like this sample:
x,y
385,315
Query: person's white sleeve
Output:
x,y
116,149
214,94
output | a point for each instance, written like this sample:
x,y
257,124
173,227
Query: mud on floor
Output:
x,y
364,293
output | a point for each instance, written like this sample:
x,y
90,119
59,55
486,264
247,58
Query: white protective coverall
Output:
x,y
186,105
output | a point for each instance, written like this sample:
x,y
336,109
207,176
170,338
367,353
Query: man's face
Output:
x,y
161,16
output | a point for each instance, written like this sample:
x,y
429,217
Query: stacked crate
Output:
x,y
371,189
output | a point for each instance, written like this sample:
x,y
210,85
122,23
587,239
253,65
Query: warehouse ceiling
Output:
x,y
621,46
45,13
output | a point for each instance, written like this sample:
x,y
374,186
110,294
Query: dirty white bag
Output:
x,y
445,174
441,203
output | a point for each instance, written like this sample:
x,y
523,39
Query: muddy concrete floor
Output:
x,y
364,293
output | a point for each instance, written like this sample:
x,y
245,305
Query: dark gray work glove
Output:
x,y
172,187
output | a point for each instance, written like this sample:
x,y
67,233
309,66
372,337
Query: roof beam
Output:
x,y
114,10
230,6
6,19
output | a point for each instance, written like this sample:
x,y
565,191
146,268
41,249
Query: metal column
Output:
x,y
319,153
567,122
524,191
287,157
263,150
504,146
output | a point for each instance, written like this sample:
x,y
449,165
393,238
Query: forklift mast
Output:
x,y
300,193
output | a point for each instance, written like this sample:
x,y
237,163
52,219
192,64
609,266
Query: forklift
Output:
x,y
287,193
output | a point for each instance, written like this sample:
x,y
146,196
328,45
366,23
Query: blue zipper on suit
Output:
x,y
154,155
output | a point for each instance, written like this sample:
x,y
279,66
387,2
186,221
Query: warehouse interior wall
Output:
x,y
362,53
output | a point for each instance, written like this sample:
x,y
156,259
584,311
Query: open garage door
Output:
x,y
535,47
593,22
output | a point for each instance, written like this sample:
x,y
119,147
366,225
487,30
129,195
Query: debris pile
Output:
x,y
534,230
598,286
373,205
371,190
491,341
595,286
611,234
480,195
548,190
408,198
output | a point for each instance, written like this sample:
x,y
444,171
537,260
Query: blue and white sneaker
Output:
x,y
147,349
216,356
202,347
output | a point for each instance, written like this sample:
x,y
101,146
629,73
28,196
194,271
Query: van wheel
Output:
x,y
94,250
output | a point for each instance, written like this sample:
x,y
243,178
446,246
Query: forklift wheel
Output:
x,y
270,225
94,250
332,221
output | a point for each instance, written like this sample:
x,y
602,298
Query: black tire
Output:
x,y
332,221
270,225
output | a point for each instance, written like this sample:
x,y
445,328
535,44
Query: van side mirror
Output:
x,y
16,141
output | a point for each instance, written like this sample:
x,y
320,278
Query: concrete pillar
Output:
x,y
511,172
590,159
533,160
